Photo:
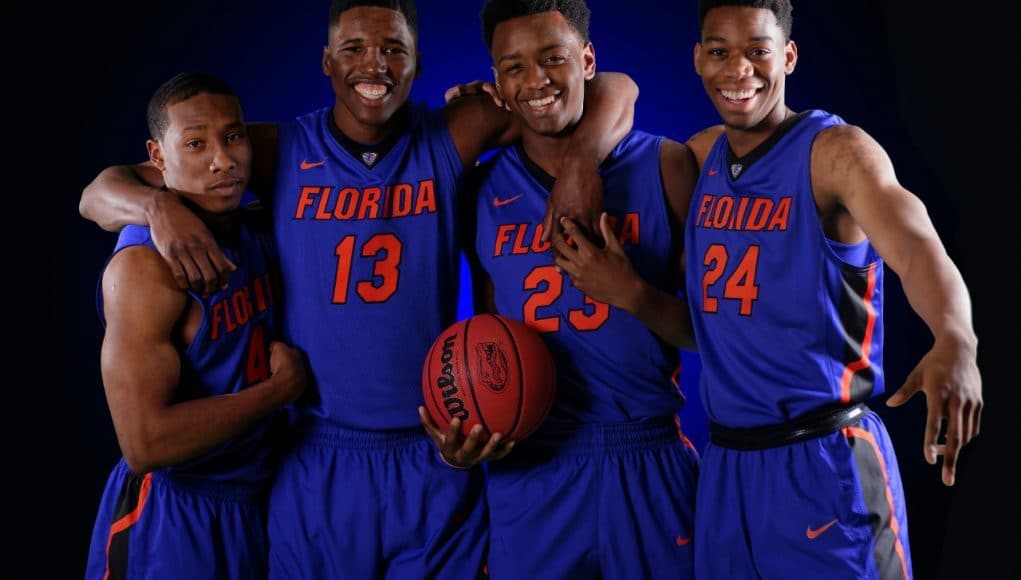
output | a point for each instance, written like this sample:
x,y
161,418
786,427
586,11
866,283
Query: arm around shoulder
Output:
x,y
122,195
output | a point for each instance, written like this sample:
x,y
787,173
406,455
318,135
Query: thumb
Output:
x,y
907,390
612,244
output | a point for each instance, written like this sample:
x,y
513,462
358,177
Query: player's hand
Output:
x,y
462,452
187,245
577,194
287,371
604,274
950,379
475,88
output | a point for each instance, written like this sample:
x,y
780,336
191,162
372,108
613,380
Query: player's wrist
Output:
x,y
451,464
159,198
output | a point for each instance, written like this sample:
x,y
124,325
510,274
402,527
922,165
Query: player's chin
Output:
x,y
222,203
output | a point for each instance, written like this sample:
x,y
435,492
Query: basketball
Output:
x,y
489,370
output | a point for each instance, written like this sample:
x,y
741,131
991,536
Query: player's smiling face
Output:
x,y
743,60
541,65
205,153
371,63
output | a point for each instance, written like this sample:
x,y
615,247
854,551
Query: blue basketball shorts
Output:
x,y
828,507
595,501
159,527
361,504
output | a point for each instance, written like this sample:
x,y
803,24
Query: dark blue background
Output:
x,y
924,80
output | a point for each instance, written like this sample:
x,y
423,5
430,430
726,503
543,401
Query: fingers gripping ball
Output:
x,y
489,370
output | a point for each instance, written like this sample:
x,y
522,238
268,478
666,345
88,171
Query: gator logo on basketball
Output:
x,y
448,384
492,365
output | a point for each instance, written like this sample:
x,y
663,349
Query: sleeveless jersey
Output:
x,y
230,351
370,264
610,367
786,320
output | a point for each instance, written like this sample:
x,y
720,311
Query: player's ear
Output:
x,y
156,153
326,60
790,55
496,83
588,57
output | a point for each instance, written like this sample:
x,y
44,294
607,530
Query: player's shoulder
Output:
x,y
842,141
702,142
136,269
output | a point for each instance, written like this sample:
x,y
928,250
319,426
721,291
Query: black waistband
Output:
x,y
809,426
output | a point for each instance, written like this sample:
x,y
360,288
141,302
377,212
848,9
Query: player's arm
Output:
x,y
606,274
141,369
136,194
477,125
851,170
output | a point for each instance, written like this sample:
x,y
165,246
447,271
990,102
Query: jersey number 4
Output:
x,y
551,282
386,250
740,285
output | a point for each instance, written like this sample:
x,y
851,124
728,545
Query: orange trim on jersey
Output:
x,y
680,434
128,520
894,525
866,344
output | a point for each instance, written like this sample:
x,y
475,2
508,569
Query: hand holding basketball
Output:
x,y
487,371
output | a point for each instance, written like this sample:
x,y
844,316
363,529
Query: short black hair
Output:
x,y
179,88
405,7
576,12
782,9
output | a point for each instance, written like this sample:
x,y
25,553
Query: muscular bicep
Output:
x,y
477,125
679,173
140,364
851,172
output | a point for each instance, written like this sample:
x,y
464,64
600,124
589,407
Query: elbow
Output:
x,y
87,208
141,453
139,460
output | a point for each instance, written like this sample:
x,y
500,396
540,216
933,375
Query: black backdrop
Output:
x,y
928,81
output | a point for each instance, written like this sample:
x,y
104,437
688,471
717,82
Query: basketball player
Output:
x,y
606,487
363,201
192,380
792,220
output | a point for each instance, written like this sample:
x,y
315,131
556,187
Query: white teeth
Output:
x,y
542,102
370,91
738,95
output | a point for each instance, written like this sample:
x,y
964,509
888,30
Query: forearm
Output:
x,y
609,116
665,314
185,430
937,293
119,196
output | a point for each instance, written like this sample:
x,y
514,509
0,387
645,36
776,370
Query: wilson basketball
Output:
x,y
489,370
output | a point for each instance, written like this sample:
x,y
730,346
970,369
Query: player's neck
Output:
x,y
546,151
365,133
743,140
223,225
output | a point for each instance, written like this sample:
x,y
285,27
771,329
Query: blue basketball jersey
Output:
x,y
370,262
229,352
786,320
610,367
204,514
